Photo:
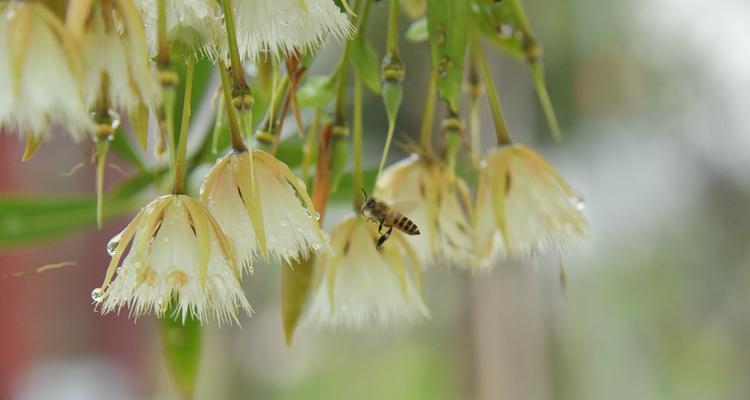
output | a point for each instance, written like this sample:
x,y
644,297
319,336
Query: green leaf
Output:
x,y
296,280
448,26
182,349
25,219
417,32
367,62
318,92
290,151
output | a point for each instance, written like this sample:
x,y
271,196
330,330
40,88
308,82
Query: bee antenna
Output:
x,y
365,193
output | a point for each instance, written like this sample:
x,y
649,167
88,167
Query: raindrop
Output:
x,y
317,246
284,222
113,243
115,118
579,202
317,216
97,295
159,303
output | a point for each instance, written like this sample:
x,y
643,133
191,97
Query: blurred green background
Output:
x,y
654,103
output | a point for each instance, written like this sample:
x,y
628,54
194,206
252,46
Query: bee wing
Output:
x,y
404,207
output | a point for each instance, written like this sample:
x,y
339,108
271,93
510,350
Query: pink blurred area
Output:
x,y
47,317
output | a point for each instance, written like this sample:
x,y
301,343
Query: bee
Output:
x,y
388,217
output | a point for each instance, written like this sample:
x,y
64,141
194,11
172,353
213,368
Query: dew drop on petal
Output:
x,y
97,295
113,243
579,203
317,246
284,222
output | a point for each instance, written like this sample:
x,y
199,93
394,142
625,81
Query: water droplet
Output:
x,y
317,246
97,295
284,222
579,202
159,303
115,118
317,216
113,243
483,164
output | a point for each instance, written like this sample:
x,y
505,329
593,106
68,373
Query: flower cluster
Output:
x,y
80,66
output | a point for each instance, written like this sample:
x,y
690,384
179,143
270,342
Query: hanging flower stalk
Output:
x,y
522,203
117,74
176,251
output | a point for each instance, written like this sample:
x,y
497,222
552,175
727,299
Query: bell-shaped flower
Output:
x,y
40,74
263,208
115,54
193,25
438,202
523,205
361,284
283,27
177,252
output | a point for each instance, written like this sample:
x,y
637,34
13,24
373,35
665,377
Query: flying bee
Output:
x,y
387,216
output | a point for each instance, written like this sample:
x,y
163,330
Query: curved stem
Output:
x,y
234,126
428,115
501,129
179,170
234,53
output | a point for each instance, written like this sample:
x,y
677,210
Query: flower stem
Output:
x,y
501,129
234,53
429,111
392,38
163,57
357,181
234,126
179,169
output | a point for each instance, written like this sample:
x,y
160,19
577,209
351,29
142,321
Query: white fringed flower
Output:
x,y
282,211
40,73
274,27
441,209
360,284
177,253
195,25
115,54
523,205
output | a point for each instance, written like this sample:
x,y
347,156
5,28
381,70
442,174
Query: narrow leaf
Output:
x,y
448,25
296,280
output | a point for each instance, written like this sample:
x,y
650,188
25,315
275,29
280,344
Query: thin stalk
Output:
x,y
392,39
161,29
179,171
102,147
357,181
428,115
234,126
234,53
520,15
501,128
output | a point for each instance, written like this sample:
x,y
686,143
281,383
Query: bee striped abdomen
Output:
x,y
405,225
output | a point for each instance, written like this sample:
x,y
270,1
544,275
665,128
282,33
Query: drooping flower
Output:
x,y
438,202
177,252
194,25
280,221
523,205
283,27
115,54
361,284
40,73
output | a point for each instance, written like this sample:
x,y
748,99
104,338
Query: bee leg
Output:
x,y
380,228
384,236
